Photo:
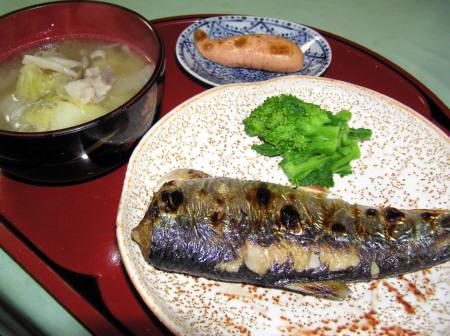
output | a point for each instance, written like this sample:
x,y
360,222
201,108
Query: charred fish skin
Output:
x,y
276,236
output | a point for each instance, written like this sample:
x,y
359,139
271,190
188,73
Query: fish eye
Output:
x,y
172,199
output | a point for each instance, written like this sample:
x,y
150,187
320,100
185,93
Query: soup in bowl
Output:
x,y
80,83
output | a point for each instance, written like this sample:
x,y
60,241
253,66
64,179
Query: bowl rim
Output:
x,y
157,72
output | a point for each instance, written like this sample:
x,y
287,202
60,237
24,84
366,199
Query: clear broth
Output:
x,y
130,71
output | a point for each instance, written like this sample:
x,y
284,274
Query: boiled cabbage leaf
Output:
x,y
35,83
55,113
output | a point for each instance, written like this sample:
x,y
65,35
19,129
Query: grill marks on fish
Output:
x,y
393,218
276,236
263,196
289,217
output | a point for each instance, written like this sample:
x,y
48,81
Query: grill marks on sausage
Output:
x,y
255,51
240,42
279,49
200,35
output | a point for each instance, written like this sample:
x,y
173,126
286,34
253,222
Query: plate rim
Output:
x,y
216,17
120,224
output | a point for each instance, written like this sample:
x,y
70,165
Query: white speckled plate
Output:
x,y
316,50
406,164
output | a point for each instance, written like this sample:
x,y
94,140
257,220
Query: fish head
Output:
x,y
178,215
161,214
167,200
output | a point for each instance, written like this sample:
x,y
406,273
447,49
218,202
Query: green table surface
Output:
x,y
414,34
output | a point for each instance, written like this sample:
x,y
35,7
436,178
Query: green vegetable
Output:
x,y
34,83
314,143
49,106
55,113
31,83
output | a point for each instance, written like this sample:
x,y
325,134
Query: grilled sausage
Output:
x,y
257,51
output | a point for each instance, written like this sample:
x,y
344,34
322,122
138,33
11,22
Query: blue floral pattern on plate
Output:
x,y
316,49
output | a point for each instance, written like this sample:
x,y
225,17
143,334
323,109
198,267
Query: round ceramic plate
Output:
x,y
406,164
316,49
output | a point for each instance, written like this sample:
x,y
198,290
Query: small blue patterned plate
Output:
x,y
316,49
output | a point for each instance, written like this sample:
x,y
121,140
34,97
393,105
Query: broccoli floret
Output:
x,y
360,134
267,149
313,142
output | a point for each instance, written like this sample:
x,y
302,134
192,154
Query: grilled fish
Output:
x,y
276,236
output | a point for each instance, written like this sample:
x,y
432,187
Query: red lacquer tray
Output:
x,y
65,236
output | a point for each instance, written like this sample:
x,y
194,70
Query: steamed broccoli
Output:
x,y
314,143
